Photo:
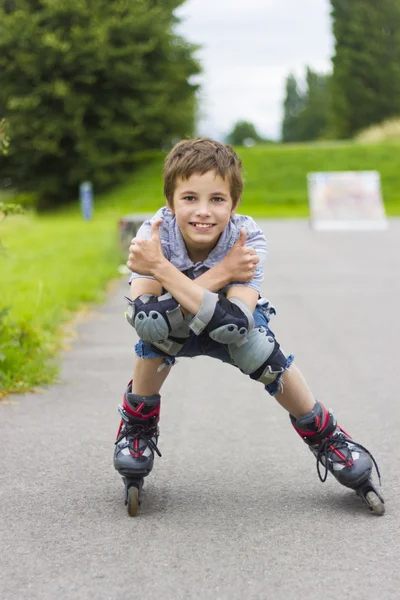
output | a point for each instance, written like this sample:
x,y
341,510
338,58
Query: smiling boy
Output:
x,y
197,269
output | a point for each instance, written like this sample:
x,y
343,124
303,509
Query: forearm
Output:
x,y
188,293
214,279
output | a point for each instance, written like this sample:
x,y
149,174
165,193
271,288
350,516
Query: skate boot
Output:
x,y
136,443
349,462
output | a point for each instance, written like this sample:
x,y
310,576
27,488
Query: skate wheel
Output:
x,y
133,501
375,503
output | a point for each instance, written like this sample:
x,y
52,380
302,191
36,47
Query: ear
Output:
x,y
233,211
170,206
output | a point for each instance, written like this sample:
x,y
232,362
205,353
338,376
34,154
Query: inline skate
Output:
x,y
136,444
348,461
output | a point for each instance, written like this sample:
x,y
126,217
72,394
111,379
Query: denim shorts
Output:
x,y
203,345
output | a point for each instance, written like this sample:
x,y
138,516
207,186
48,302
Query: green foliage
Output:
x,y
292,107
306,113
7,209
243,133
10,209
85,84
4,139
22,350
366,74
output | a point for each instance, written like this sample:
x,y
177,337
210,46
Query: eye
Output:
x,y
189,198
217,199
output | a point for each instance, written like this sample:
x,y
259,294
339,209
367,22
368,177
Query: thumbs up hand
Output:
x,y
241,241
145,256
241,261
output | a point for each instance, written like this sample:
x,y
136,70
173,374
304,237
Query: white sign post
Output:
x,y
349,200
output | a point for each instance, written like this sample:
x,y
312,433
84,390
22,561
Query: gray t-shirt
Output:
x,y
175,251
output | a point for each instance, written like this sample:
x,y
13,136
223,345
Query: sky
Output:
x,y
248,49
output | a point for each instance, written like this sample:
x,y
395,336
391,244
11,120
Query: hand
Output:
x,y
146,256
240,262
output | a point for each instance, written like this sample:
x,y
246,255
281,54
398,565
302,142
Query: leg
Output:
x,y
294,394
349,462
148,375
138,432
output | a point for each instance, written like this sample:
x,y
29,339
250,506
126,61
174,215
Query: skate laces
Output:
x,y
339,442
138,432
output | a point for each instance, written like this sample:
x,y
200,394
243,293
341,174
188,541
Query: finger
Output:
x,y
155,228
242,237
253,260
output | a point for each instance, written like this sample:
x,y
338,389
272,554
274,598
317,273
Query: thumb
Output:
x,y
242,237
155,226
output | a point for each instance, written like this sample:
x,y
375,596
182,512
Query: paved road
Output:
x,y
234,509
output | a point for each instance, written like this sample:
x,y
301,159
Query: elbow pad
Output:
x,y
226,321
154,318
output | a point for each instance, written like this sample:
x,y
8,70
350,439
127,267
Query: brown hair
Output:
x,y
201,155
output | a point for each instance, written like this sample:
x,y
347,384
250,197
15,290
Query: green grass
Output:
x,y
53,265
276,176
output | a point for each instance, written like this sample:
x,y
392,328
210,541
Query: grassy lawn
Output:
x,y
51,265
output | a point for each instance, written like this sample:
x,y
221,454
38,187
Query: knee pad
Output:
x,y
176,338
260,357
156,319
226,321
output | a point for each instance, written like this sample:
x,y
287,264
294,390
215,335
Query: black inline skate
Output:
x,y
349,462
136,444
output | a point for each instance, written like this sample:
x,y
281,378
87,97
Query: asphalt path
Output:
x,y
234,509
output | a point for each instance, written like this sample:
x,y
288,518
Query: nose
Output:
x,y
203,209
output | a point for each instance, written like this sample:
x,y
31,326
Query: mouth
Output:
x,y
202,226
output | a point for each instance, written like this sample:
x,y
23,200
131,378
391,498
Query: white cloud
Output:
x,y
248,48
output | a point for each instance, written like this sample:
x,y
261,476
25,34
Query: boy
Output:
x,y
196,274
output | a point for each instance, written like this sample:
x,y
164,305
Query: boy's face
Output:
x,y
202,206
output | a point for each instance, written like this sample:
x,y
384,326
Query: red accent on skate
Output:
x,y
138,411
136,453
320,428
349,463
326,419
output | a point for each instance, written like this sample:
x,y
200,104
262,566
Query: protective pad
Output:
x,y
226,320
154,318
260,357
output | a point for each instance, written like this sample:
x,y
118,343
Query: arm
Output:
x,y
226,320
146,257
188,293
143,285
238,265
246,294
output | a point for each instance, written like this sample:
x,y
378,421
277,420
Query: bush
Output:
x,y
384,132
21,351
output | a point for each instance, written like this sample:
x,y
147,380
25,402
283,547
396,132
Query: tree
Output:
x,y
243,132
366,73
306,114
84,84
293,105
314,116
